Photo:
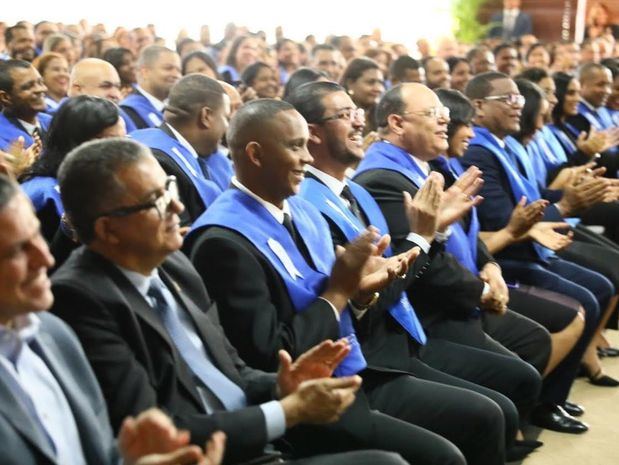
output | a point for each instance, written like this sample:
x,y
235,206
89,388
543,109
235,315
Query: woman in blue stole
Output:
x,y
557,313
78,120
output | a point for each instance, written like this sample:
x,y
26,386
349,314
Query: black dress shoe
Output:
x,y
573,409
532,443
599,379
609,351
554,418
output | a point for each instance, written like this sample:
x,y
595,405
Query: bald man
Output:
x,y
98,78
159,68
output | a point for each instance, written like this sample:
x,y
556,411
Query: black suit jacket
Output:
x,y
255,309
138,365
194,206
446,289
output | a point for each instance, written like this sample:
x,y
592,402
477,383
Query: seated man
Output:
x,y
51,407
148,325
262,254
158,70
185,145
448,297
22,98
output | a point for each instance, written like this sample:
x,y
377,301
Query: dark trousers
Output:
x,y
363,427
362,457
462,349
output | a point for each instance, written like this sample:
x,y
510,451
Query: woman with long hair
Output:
x,y
364,82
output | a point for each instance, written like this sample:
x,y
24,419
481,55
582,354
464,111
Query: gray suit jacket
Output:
x,y
22,443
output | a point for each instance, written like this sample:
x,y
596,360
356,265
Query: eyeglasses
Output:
x,y
161,203
346,114
514,100
433,112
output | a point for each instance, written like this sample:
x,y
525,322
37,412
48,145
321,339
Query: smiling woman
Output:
x,y
54,69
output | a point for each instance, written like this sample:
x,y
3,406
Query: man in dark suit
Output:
x,y
260,229
158,70
149,327
388,337
185,145
449,298
51,408
498,105
22,98
512,23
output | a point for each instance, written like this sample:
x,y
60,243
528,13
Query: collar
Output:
x,y
158,104
28,126
333,184
277,213
512,11
139,281
501,142
588,105
182,140
424,166
24,329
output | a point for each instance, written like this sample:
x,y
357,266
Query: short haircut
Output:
x,y
250,118
41,23
281,42
307,99
9,32
392,103
319,47
481,85
356,68
190,94
200,55
474,52
401,65
149,55
534,74
505,45
8,190
88,181
184,42
587,70
251,72
534,96
302,76
6,81
461,110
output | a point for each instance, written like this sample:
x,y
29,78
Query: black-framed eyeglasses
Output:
x,y
161,203
346,114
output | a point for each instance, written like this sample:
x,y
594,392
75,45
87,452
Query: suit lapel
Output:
x,y
211,338
12,410
82,411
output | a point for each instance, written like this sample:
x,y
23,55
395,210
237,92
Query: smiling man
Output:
x,y
22,97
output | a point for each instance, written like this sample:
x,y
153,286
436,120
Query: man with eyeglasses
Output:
x,y
98,78
186,144
449,298
391,335
498,105
151,331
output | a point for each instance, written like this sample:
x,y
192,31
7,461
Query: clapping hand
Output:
x,y
423,210
524,216
460,197
545,233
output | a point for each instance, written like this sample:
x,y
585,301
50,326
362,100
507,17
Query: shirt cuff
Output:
x,y
443,236
335,312
274,418
420,241
486,289
357,312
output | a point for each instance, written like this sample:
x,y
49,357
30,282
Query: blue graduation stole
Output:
x,y
220,169
568,145
462,244
129,124
555,155
145,110
238,211
43,190
155,138
537,161
599,118
333,207
234,74
519,184
614,115
10,130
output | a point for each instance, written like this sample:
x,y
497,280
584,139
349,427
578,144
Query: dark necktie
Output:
x,y
297,239
353,206
228,393
290,227
204,167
